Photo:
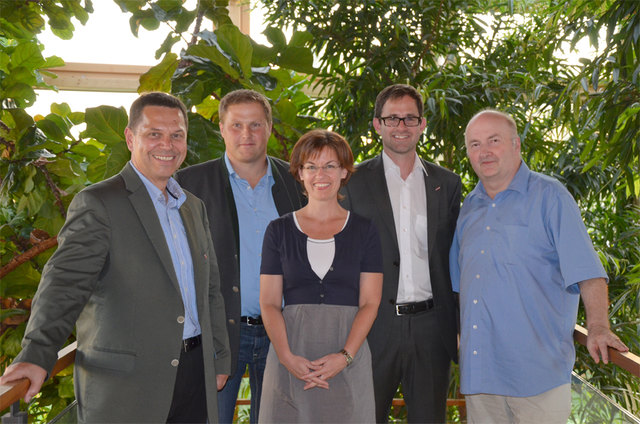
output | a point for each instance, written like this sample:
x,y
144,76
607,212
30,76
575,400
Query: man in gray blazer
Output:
x,y
243,191
414,204
136,272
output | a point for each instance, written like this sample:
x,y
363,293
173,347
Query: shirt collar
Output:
x,y
390,166
176,194
520,182
234,174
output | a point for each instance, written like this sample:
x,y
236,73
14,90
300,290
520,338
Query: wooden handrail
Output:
x,y
12,392
626,360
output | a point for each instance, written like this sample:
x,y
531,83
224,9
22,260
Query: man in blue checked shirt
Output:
x,y
521,258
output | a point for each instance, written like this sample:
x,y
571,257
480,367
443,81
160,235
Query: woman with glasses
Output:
x,y
326,263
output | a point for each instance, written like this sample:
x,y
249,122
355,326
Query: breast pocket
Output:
x,y
517,238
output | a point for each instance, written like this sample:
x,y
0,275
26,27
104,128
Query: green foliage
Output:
x,y
579,123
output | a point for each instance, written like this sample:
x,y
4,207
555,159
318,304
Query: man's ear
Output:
x,y
376,124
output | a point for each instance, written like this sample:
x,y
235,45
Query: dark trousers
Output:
x,y
189,404
415,357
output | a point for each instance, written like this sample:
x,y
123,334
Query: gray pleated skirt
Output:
x,y
314,331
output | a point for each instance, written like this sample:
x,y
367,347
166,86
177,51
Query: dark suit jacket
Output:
x,y
210,182
113,274
367,195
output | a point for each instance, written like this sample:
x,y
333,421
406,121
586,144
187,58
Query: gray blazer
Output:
x,y
112,274
367,195
210,182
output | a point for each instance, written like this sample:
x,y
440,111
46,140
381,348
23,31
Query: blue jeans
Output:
x,y
254,346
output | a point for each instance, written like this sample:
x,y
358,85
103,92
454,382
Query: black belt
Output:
x,y
413,307
251,320
191,343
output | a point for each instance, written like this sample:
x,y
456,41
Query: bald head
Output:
x,y
511,123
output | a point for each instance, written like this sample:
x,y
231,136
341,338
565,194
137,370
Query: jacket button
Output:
x,y
180,319
174,362
232,321
235,289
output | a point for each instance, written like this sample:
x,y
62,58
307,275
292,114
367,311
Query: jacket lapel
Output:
x,y
281,197
434,192
380,193
143,206
192,237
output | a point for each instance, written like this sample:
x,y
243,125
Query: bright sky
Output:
x,y
107,38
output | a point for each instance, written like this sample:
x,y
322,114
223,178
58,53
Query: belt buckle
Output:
x,y
398,313
185,345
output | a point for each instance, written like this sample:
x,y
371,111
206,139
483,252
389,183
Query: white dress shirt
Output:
x,y
409,204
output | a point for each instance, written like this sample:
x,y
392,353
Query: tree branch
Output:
x,y
16,261
40,164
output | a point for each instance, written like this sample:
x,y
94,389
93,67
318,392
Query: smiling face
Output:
x,y
322,174
493,147
246,131
158,143
400,140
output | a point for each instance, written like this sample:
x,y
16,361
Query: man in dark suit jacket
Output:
x,y
414,204
136,268
243,191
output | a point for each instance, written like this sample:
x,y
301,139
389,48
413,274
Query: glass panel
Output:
x,y
590,405
68,416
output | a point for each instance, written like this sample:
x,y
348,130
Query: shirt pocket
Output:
x,y
517,239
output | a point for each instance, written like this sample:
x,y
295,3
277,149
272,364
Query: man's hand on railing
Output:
x,y
33,372
599,339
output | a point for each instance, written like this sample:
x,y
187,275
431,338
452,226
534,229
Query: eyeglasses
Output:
x,y
313,169
394,121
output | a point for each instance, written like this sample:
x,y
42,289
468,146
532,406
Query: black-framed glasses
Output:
x,y
394,121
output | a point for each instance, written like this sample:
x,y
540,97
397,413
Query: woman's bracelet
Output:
x,y
347,356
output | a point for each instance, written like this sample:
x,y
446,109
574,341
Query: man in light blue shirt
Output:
x,y
520,259
243,191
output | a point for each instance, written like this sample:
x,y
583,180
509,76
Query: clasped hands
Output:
x,y
315,373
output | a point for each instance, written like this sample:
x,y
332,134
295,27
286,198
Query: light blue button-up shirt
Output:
x,y
516,261
255,208
176,236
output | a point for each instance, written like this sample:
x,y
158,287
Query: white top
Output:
x,y
320,252
409,204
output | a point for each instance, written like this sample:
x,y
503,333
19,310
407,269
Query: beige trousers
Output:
x,y
550,407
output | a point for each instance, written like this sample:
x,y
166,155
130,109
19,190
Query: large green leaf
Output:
x,y
106,124
238,45
158,78
97,169
118,158
21,282
28,55
214,55
205,141
299,59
